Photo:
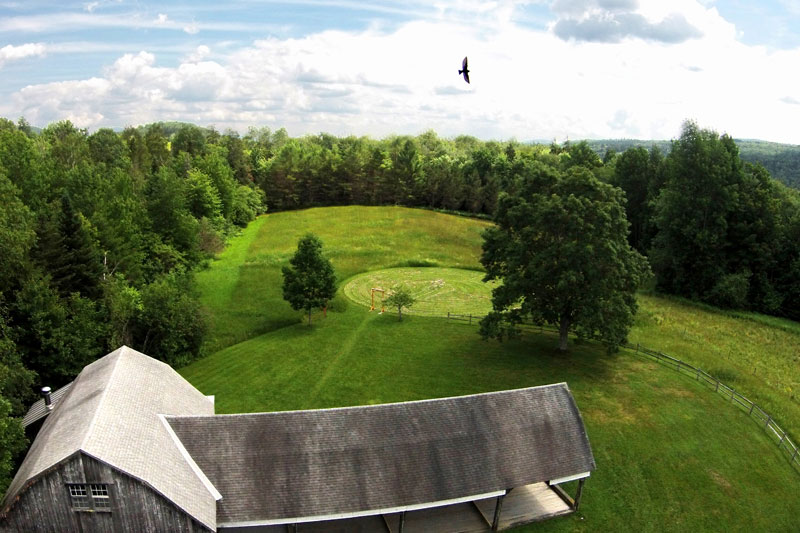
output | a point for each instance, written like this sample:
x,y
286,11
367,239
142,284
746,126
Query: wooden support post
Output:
x,y
497,508
716,389
752,404
578,494
402,521
782,439
292,528
733,392
769,419
795,454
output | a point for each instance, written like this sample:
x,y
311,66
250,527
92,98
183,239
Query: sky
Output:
x,y
539,69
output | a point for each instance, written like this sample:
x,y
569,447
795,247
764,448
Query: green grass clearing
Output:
x,y
437,291
671,455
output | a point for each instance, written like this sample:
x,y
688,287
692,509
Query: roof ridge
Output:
x,y
377,405
103,396
189,460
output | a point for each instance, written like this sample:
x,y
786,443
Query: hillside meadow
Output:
x,y
671,455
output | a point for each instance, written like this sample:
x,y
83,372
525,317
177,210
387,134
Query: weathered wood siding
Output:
x,y
46,506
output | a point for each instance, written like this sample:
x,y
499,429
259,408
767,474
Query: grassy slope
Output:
x,y
671,455
356,239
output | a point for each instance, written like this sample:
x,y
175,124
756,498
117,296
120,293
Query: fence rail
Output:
x,y
789,448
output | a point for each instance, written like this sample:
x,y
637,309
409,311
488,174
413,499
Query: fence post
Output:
x,y
795,453
448,315
716,389
769,419
637,347
470,318
697,374
781,441
752,404
733,391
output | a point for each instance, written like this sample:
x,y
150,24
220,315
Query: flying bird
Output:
x,y
464,70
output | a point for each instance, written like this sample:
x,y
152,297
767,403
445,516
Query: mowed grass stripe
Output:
x,y
671,455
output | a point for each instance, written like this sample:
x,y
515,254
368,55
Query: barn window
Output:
x,y
80,500
89,496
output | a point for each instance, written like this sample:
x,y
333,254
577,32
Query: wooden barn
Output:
x,y
132,446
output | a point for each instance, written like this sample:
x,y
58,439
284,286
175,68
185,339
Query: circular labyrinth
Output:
x,y
437,291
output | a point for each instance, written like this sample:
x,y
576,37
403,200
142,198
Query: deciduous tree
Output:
x,y
400,297
561,253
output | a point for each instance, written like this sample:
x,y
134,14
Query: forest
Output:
x,y
100,233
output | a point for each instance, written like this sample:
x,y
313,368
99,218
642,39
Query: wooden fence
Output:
x,y
789,448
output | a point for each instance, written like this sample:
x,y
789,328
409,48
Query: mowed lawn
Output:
x,y
671,455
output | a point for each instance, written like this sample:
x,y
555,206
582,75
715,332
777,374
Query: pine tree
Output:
x,y
310,282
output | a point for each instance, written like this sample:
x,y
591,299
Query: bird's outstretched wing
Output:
x,y
464,63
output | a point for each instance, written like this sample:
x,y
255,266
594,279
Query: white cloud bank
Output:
x,y
10,52
663,63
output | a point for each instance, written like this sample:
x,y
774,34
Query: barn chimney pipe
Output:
x,y
47,401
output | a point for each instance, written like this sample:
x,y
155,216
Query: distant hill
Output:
x,y
781,160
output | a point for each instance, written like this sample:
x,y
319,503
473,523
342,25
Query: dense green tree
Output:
x,y
16,381
190,139
12,442
171,324
68,251
157,147
57,335
248,203
309,281
105,146
636,172
561,253
17,235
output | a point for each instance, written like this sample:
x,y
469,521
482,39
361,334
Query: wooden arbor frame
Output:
x,y
372,298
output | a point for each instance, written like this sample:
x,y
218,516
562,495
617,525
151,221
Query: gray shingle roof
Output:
x,y
273,466
39,410
111,412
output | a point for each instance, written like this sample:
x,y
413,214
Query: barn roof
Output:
x,y
298,465
39,410
111,412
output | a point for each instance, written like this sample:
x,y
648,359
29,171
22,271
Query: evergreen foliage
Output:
x,y
309,281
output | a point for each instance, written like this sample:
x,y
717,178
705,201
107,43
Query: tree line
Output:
x,y
99,236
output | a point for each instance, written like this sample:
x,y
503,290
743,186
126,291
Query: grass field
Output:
x,y
671,455
437,291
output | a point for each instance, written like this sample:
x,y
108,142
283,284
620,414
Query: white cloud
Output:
x,y
191,28
526,83
14,53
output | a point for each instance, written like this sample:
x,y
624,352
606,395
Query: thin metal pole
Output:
x,y
402,521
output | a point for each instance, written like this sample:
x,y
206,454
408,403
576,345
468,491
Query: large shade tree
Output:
x,y
309,281
560,250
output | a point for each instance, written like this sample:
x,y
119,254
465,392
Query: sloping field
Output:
x,y
671,455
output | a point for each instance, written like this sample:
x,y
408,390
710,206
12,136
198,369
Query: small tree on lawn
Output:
x,y
400,298
309,282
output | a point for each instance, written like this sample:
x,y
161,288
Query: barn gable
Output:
x,y
111,412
